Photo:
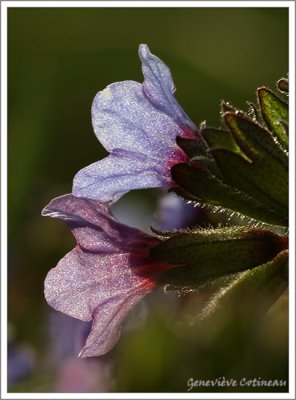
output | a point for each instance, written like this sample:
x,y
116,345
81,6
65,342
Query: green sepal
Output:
x,y
268,170
202,186
254,140
192,147
260,180
254,291
274,110
221,139
198,152
211,253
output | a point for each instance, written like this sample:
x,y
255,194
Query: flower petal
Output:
x,y
138,124
159,88
94,229
104,287
82,282
110,178
104,275
107,324
124,118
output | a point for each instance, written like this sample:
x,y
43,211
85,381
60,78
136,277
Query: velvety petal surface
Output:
x,y
159,88
108,179
104,275
123,117
138,124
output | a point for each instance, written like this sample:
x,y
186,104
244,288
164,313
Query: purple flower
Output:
x,y
105,275
175,213
138,125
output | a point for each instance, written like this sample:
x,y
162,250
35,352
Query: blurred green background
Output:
x,y
58,58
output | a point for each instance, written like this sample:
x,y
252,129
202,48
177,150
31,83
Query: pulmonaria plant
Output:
x,y
138,125
242,169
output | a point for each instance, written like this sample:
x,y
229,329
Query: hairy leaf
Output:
x,y
258,179
274,110
221,139
254,289
215,252
255,141
202,186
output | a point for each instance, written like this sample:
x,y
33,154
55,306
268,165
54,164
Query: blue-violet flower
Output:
x,y
138,125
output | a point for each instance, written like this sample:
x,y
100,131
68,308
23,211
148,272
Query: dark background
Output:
x,y
57,60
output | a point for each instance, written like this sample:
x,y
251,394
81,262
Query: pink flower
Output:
x,y
105,275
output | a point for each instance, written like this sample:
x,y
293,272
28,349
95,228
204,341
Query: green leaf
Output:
x,y
266,177
208,254
258,179
255,141
274,110
202,186
221,139
255,290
